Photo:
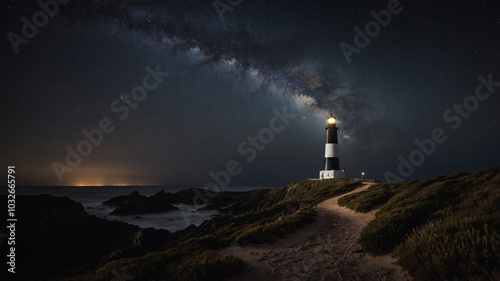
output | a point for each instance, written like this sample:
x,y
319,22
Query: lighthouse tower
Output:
x,y
332,169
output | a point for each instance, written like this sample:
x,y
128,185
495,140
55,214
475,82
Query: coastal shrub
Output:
x,y
382,193
381,235
207,266
366,200
261,219
412,205
464,242
152,266
169,265
207,242
270,232
445,250
442,228
264,221
311,192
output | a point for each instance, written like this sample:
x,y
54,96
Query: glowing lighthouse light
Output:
x,y
332,169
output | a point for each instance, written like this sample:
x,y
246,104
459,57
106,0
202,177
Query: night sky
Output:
x,y
221,73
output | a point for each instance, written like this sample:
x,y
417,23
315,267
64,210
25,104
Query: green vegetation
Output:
x,y
367,200
278,213
170,265
192,259
207,267
261,216
439,228
272,231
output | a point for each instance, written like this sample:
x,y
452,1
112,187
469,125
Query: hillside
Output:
x,y
55,237
442,228
324,250
261,216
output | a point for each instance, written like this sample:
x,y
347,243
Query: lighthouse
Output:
x,y
332,169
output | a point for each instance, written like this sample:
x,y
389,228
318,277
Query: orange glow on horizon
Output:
x,y
82,183
88,184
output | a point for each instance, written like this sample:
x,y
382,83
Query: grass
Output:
x,y
190,260
260,217
272,231
279,213
439,228
448,249
367,200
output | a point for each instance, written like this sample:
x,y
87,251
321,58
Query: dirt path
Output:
x,y
324,250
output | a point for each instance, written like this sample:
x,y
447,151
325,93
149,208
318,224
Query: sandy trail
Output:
x,y
324,250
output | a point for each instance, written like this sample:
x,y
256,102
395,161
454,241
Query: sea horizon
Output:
x,y
92,197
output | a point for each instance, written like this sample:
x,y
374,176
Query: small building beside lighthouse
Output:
x,y
332,164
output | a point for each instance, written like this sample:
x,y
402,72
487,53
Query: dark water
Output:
x,y
92,197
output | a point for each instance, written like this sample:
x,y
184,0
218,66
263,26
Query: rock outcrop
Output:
x,y
54,236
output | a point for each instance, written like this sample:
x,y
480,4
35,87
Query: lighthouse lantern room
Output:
x,y
332,169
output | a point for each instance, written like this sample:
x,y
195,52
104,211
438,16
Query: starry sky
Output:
x,y
223,73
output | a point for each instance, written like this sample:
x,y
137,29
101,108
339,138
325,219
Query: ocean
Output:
x,y
91,197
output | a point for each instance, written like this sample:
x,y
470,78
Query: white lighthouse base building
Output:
x,y
331,174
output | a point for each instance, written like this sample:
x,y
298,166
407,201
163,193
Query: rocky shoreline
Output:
x,y
294,232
